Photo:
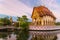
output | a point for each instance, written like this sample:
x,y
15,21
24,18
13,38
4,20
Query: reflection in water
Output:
x,y
29,35
43,36
22,35
3,35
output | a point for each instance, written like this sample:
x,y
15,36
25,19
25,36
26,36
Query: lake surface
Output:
x,y
30,35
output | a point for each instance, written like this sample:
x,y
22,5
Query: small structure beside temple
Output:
x,y
42,16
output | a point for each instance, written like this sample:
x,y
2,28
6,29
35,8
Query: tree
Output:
x,y
25,18
57,23
19,20
6,21
1,21
22,35
11,20
23,22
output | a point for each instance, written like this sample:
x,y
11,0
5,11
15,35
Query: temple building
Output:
x,y
41,15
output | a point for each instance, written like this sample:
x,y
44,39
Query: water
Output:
x,y
30,35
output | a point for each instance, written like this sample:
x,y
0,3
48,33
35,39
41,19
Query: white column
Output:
x,y
45,22
42,22
48,22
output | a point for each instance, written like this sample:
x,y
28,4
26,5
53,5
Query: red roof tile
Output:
x,y
43,11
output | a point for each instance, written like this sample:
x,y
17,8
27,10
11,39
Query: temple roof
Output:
x,y
43,11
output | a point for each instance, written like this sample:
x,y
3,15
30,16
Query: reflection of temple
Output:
x,y
42,16
44,37
37,35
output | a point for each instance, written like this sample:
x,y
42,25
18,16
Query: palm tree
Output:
x,y
25,18
6,21
23,21
11,20
19,20
1,21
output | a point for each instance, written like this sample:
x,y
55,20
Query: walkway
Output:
x,y
36,28
4,27
8,27
44,27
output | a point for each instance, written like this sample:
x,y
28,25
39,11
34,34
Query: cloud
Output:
x,y
14,8
22,7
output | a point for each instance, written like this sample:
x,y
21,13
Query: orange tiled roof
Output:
x,y
43,11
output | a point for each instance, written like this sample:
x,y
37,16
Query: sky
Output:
x,y
16,8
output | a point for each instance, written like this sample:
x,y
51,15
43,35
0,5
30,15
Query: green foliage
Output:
x,y
5,21
1,24
23,35
16,24
2,35
23,22
24,18
57,23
